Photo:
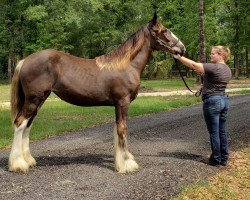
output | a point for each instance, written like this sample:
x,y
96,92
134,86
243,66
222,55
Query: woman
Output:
x,y
216,76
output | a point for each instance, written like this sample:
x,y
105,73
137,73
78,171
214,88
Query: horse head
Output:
x,y
163,39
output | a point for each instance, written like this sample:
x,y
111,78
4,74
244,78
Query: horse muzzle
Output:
x,y
179,50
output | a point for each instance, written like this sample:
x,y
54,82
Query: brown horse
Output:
x,y
112,79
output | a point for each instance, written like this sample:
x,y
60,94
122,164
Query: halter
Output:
x,y
163,43
175,43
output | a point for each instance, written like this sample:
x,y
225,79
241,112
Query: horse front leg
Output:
x,y
124,160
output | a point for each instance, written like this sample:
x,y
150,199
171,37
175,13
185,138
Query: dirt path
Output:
x,y
169,146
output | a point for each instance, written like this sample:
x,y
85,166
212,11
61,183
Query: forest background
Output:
x,y
89,28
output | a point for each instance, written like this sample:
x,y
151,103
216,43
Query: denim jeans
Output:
x,y
215,110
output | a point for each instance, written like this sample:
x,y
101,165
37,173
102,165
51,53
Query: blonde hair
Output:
x,y
223,51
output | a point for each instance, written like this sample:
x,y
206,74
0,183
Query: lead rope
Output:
x,y
197,93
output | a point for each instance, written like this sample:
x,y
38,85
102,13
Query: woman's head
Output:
x,y
220,54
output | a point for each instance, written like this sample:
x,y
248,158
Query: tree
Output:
x,y
202,50
94,27
233,21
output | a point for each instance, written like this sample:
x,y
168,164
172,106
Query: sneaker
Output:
x,y
212,162
223,163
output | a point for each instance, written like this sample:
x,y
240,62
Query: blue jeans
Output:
x,y
215,110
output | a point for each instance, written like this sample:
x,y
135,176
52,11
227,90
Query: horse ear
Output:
x,y
154,20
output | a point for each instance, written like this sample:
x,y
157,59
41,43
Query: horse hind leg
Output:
x,y
26,149
20,159
16,160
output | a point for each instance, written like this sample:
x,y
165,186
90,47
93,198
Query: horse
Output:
x,y
112,79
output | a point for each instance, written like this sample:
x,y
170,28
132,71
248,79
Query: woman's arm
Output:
x,y
190,63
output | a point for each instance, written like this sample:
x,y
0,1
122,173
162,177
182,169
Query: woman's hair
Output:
x,y
224,51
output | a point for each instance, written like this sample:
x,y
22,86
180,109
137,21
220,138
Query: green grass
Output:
x,y
240,92
56,117
5,128
167,84
4,92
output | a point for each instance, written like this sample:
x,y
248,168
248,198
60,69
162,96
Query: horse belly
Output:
x,y
85,99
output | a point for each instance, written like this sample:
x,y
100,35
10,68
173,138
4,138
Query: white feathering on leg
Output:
x,y
26,149
16,159
124,161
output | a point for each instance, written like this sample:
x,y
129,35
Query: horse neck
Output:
x,y
132,53
140,59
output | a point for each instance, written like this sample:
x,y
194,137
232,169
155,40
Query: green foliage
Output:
x,y
94,27
159,67
36,13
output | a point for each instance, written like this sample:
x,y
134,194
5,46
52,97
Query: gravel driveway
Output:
x,y
169,146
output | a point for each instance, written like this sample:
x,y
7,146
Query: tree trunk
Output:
x,y
10,60
247,68
236,41
202,51
236,65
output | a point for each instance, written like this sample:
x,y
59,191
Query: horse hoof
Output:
x,y
129,166
31,161
19,165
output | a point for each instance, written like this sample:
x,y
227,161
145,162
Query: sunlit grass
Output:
x,y
4,92
232,183
240,92
167,84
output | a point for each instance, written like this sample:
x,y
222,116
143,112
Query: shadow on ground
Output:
x,y
100,160
185,156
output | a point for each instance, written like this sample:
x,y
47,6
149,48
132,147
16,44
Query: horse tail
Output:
x,y
17,94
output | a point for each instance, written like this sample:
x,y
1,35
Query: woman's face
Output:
x,y
215,57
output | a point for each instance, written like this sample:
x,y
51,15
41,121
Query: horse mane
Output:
x,y
120,57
